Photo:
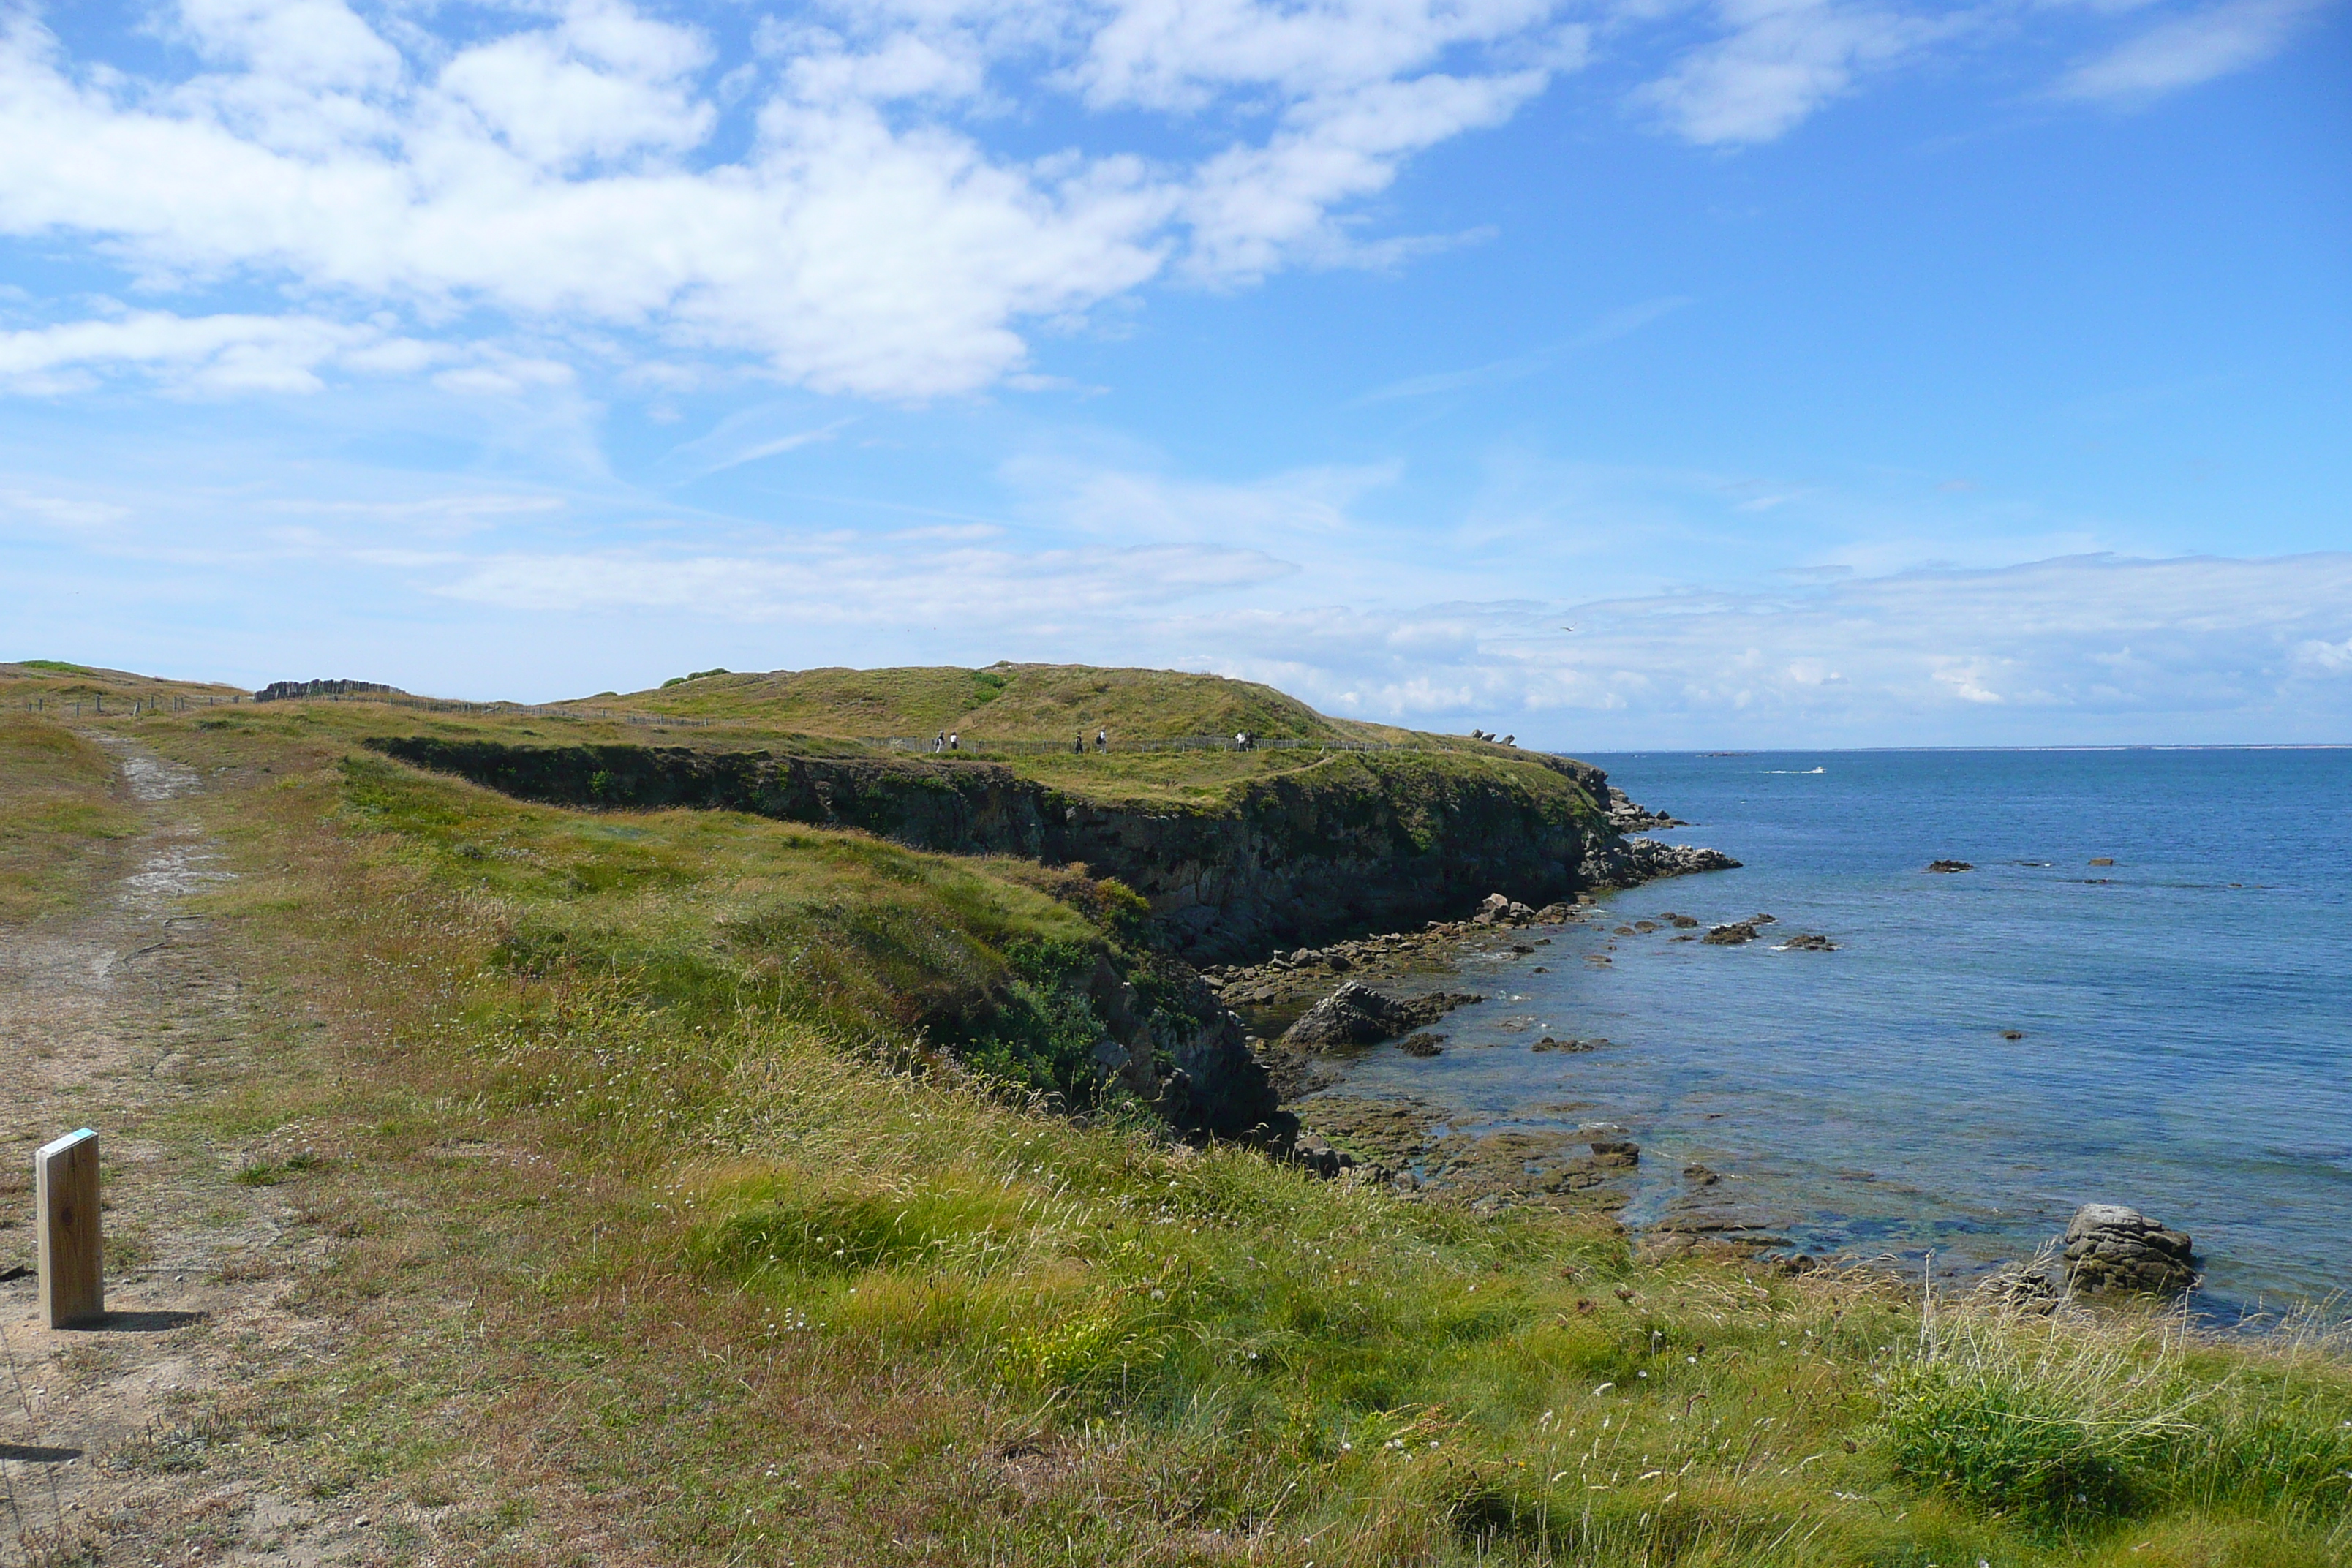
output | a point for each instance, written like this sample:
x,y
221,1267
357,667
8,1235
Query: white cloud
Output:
x,y
559,172
2324,657
928,578
2186,50
62,511
224,353
1303,505
1778,62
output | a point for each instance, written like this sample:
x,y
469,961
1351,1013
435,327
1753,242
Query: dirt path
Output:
x,y
115,1020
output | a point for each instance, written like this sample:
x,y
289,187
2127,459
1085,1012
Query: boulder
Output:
x,y
2111,1249
1731,935
1424,1044
1356,1015
1495,909
1809,942
1314,1151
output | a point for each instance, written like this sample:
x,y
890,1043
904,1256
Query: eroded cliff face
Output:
x,y
1354,843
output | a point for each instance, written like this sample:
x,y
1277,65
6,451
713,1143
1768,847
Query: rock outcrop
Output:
x,y
1357,1015
1638,860
1626,816
1188,1058
285,690
2111,1249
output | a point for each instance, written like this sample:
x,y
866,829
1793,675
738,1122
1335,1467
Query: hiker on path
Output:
x,y
1102,739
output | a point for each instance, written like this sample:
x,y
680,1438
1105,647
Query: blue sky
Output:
x,y
1615,373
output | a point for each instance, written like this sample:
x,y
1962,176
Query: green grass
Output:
x,y
654,1172
1210,1350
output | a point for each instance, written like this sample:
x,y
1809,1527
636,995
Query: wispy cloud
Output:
x,y
1780,60
2082,647
1607,328
2184,51
221,353
925,578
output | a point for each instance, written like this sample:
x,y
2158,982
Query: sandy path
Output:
x,y
112,1020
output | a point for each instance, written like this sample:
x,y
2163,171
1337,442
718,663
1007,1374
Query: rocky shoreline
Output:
x,y
1334,1005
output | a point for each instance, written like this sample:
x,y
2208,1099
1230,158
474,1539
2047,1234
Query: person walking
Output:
x,y
1102,739
953,741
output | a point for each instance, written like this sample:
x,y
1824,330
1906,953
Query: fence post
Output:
x,y
65,1178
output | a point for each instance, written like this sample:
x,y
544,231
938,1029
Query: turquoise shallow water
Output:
x,y
2186,1013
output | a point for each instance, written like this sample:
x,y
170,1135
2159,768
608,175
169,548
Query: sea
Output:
x,y
2141,994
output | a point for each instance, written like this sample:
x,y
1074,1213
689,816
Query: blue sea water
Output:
x,y
2185,1014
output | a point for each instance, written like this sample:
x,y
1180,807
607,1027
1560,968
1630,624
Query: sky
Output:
x,y
1614,374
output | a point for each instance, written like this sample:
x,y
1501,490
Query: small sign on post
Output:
x,y
65,1179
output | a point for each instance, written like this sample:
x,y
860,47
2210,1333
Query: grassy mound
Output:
x,y
1027,702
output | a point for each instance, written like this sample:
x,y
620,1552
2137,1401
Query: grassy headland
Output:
x,y
688,1195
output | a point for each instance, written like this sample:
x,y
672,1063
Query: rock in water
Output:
x,y
1731,935
1356,1015
1809,942
1949,866
2111,1248
1611,1144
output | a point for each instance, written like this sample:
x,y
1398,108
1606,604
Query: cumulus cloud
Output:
x,y
854,234
2186,50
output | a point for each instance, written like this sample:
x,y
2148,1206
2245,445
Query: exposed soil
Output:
x,y
113,1018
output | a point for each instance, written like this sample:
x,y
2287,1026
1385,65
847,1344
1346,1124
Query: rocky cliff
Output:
x,y
1354,842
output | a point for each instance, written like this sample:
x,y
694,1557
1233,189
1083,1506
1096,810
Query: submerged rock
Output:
x,y
1809,942
1611,1144
1949,866
2114,1249
1424,1044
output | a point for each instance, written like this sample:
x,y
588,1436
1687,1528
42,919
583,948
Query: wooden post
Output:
x,y
64,1176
